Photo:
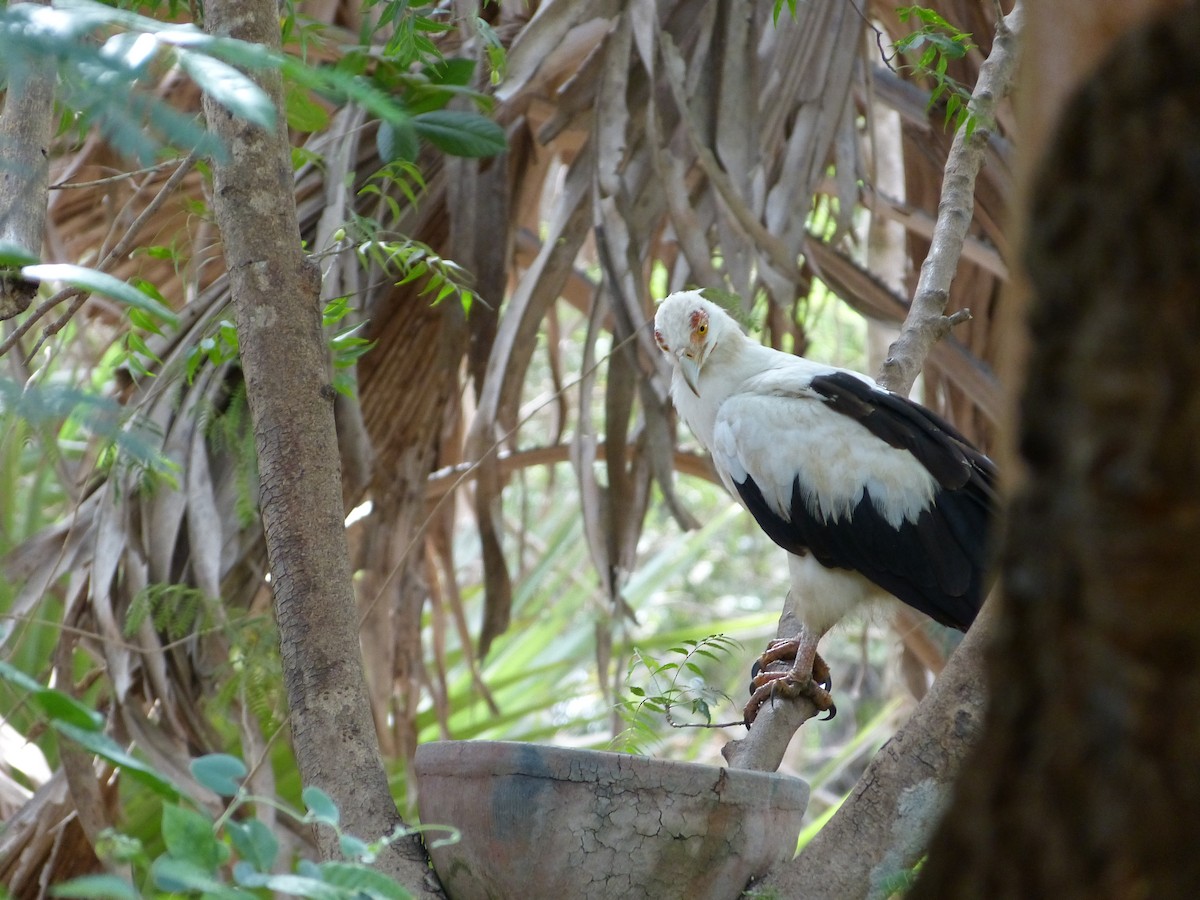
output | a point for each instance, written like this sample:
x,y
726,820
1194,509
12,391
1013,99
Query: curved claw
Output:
x,y
821,674
755,668
820,671
767,685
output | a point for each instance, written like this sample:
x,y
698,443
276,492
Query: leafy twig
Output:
x,y
675,683
942,42
926,322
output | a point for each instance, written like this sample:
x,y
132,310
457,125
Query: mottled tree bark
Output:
x,y
1086,781
285,362
26,127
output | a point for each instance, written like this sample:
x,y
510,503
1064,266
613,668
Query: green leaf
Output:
x,y
496,53
62,707
353,847
427,96
288,885
337,80
137,344
106,748
363,880
457,71
229,87
249,875
97,887
344,385
13,675
445,291
304,111
254,843
335,310
219,772
13,255
397,141
461,133
102,283
415,271
321,806
189,836
182,876
140,319
308,869
157,252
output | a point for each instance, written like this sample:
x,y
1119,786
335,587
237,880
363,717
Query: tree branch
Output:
x,y
927,322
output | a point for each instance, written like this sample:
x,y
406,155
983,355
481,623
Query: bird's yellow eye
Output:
x,y
702,330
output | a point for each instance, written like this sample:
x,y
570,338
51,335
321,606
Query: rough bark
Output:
x,y
26,127
287,371
1085,781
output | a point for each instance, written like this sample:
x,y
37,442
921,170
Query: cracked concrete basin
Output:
x,y
552,822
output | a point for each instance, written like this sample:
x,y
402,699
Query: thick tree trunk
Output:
x,y
26,127
1086,782
287,371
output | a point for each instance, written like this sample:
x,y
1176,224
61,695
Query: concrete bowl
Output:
x,y
552,822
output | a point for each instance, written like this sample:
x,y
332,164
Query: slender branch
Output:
x,y
110,259
927,322
112,179
764,746
32,319
81,297
449,478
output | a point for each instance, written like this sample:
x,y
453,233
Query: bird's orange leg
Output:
x,y
808,677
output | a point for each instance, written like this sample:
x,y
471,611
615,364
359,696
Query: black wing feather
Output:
x,y
900,422
937,564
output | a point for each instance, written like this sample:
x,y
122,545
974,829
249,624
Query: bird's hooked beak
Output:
x,y
689,368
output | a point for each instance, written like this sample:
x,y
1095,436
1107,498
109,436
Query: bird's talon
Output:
x,y
767,685
821,674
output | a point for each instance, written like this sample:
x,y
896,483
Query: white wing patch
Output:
x,y
778,436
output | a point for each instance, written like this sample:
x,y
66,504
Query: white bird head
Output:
x,y
689,328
